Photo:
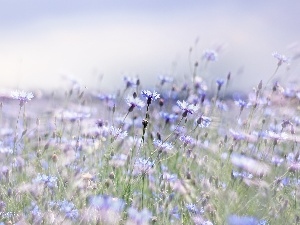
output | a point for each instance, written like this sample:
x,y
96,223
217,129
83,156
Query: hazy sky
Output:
x,y
42,40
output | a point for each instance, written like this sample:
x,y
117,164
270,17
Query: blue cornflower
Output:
x,y
281,58
187,140
169,117
162,145
22,96
165,79
134,102
192,208
187,108
117,133
49,181
105,202
69,209
150,96
220,83
139,217
210,55
131,82
204,121
245,220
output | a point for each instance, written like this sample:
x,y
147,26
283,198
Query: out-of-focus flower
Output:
x,y
69,209
163,146
210,55
73,116
250,165
104,209
192,208
48,181
203,121
139,217
220,83
187,140
244,220
142,166
22,96
131,82
169,117
281,58
187,108
165,79
117,133
134,102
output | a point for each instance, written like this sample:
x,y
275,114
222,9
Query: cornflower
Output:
x,y
281,58
169,117
139,218
49,181
22,96
187,108
68,208
117,133
150,96
134,102
131,82
210,55
187,140
165,79
105,202
220,83
204,121
162,145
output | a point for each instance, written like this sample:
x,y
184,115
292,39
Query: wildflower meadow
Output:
x,y
183,151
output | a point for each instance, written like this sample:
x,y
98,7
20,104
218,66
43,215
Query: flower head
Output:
x,y
187,108
150,96
131,82
117,133
22,96
134,102
165,79
210,55
281,58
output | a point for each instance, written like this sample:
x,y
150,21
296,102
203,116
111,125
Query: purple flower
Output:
x,y
204,121
139,217
187,108
150,96
168,117
162,145
187,140
131,82
68,208
220,83
49,181
105,202
165,79
22,96
134,102
210,55
117,133
281,58
245,220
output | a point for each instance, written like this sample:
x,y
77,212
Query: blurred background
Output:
x,y
99,42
